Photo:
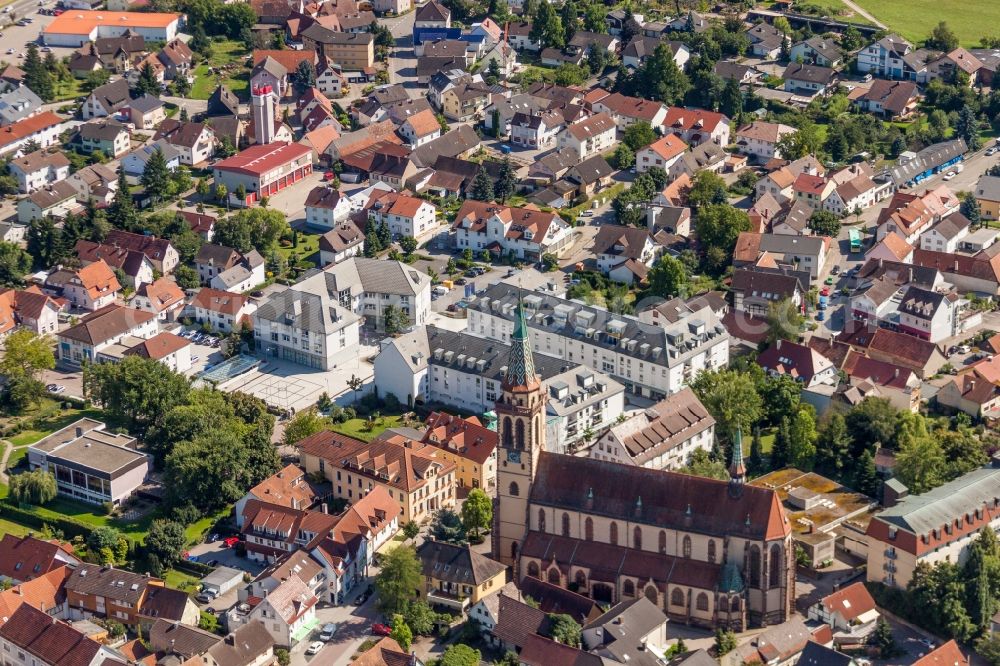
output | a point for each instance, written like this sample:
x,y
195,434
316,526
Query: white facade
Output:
x,y
28,182
595,144
401,223
327,218
62,32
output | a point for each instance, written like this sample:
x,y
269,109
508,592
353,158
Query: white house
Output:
x,y
947,235
56,200
527,233
38,169
663,153
536,130
326,207
222,310
760,139
420,128
102,329
405,215
285,610
589,137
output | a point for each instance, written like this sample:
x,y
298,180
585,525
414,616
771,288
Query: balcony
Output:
x,y
448,599
890,554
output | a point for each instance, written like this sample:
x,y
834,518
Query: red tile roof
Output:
x,y
948,654
689,119
24,558
216,300
23,129
465,437
260,159
159,346
850,602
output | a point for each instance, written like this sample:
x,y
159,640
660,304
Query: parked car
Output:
x,y
205,597
327,632
363,597
231,541
964,349
315,647
949,175
380,629
55,388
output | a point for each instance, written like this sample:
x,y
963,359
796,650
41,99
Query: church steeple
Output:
x,y
737,470
520,373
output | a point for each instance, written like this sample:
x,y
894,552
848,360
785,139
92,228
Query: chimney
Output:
x,y
777,343
322,507
79,431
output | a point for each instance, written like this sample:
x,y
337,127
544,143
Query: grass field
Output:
x,y
238,81
54,420
914,19
356,427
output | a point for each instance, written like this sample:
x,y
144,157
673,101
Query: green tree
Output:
x,y
398,580
802,440
967,127
186,277
208,622
156,176
942,38
755,461
254,228
725,642
718,227
731,100
36,487
871,423
394,319
784,320
701,464
146,83
401,632
107,545
884,640
824,223
547,28
564,629
781,449
781,395
14,264
305,423
731,398
707,188
477,512
137,390
920,463
833,445
26,355
38,79
482,187
411,529
446,525
166,540
866,474
95,79
122,213
569,15
806,140
668,277
623,157
660,78
506,180
969,208
304,76
460,654
45,242
988,647
408,244
421,618
639,135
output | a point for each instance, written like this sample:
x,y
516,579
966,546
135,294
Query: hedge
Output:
x,y
193,568
69,527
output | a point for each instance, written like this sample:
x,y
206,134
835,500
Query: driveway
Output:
x,y
353,628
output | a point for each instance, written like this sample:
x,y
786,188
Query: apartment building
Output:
x,y
368,287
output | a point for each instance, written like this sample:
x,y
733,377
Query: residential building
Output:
x,y
43,128
18,104
809,80
159,251
930,315
100,330
850,612
649,360
987,194
146,112
28,308
921,356
225,269
176,57
527,233
468,444
420,128
38,169
760,139
171,350
344,241
55,200
780,645
195,141
77,27
106,100
899,385
326,207
367,287
817,50
134,163
932,527
263,170
37,638
536,130
617,247
625,110
813,191
630,627
949,653
975,390
353,51
92,287
404,214
662,153
581,522
766,40
886,58
892,100
909,215
109,137
96,183
27,558
931,160
223,311
432,15
288,612
414,475
755,290
161,297
662,436
457,576
91,464
134,266
801,363
799,253
696,126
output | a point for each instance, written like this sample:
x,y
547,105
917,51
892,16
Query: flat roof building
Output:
x,y
76,27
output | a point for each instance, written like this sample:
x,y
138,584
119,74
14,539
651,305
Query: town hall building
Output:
x,y
708,553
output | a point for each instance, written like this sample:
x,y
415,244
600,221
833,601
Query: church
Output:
x,y
710,553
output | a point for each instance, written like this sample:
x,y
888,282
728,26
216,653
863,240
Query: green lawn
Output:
x,y
914,19
356,427
16,456
55,420
195,532
7,527
307,249
237,80
89,514
181,581
69,90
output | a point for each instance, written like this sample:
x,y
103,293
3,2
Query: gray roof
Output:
x,y
622,333
809,73
695,658
316,313
788,244
919,514
457,141
243,646
952,225
820,655
112,96
928,158
146,103
825,47
375,276
18,104
143,153
234,275
921,303
271,66
624,627
988,188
